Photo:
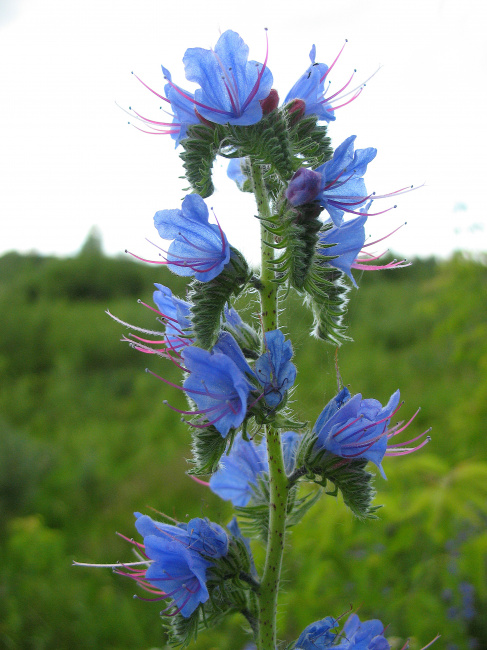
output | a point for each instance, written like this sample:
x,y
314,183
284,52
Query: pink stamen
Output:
x,y
191,99
198,480
167,132
372,243
152,91
333,64
347,425
146,119
335,108
406,451
254,90
326,100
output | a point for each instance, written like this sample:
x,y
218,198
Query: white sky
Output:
x,y
68,159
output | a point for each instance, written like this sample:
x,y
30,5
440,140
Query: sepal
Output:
x,y
308,139
347,476
209,298
245,335
208,446
266,143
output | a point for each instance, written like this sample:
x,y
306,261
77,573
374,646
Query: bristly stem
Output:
x,y
278,489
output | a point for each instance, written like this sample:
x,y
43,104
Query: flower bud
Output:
x,y
296,110
270,103
304,187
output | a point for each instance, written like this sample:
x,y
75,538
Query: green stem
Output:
x,y
278,488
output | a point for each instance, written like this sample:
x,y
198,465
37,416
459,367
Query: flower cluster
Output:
x,y
236,379
355,635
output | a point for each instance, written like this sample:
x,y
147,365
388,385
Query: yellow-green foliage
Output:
x,y
85,440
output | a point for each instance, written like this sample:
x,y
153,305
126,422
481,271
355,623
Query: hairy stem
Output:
x,y
269,587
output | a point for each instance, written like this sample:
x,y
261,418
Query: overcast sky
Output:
x,y
69,161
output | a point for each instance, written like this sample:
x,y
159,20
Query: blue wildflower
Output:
x,y
345,242
218,387
231,86
244,334
226,344
318,635
239,470
178,558
352,427
274,369
199,248
175,313
290,441
362,636
310,89
232,90
236,173
342,187
244,463
183,114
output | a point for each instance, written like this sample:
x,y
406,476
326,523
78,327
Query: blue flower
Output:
x,y
290,442
183,114
274,369
342,186
345,242
318,635
226,344
178,557
358,429
239,470
244,463
175,314
245,335
362,636
218,387
231,86
236,173
310,89
198,248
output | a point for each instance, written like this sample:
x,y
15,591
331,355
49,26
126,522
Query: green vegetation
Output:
x,y
85,440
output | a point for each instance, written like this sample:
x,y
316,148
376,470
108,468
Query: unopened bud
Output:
x,y
270,103
304,187
296,110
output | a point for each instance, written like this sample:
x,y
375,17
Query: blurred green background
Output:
x,y
85,440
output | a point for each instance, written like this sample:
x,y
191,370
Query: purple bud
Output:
x,y
270,103
304,187
296,110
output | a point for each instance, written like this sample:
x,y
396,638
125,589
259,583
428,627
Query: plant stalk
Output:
x,y
278,488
